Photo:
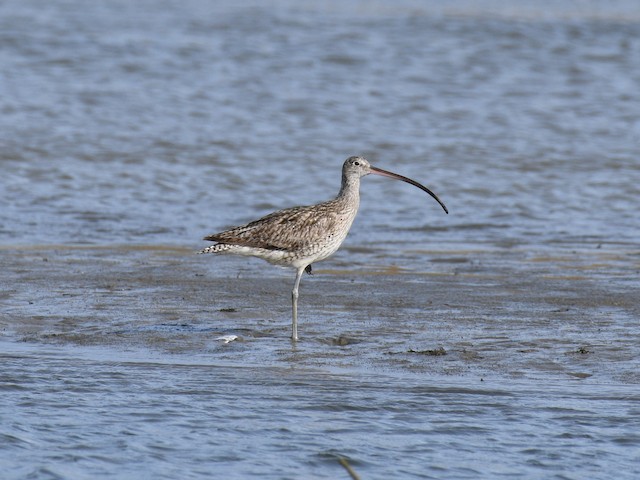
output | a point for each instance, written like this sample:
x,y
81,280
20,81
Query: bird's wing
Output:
x,y
289,229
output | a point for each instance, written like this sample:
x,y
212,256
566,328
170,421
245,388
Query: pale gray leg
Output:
x,y
294,302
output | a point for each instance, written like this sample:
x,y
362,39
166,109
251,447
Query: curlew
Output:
x,y
299,236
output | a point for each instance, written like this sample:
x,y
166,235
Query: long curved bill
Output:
x,y
385,173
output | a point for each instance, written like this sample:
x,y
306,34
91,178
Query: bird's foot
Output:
x,y
307,269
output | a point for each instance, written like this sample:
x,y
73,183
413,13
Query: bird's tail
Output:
x,y
217,248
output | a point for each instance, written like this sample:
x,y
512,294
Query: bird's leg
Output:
x,y
294,302
308,269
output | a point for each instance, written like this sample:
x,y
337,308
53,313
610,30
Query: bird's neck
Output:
x,y
350,190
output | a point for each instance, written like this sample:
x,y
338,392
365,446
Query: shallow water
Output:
x,y
499,340
148,416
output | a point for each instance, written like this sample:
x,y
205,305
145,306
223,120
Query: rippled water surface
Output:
x,y
501,340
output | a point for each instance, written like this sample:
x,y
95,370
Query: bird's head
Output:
x,y
359,167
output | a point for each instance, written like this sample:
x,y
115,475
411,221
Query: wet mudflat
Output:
x,y
511,314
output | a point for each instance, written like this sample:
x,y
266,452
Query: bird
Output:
x,y
297,237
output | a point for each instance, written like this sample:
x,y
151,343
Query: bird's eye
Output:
x,y
356,163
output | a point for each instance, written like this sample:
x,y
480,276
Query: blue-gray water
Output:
x,y
501,340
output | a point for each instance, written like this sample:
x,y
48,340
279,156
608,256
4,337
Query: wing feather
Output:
x,y
289,229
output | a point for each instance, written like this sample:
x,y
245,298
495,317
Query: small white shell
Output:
x,y
227,338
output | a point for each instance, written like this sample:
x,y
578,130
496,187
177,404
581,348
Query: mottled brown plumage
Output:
x,y
293,229
299,236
